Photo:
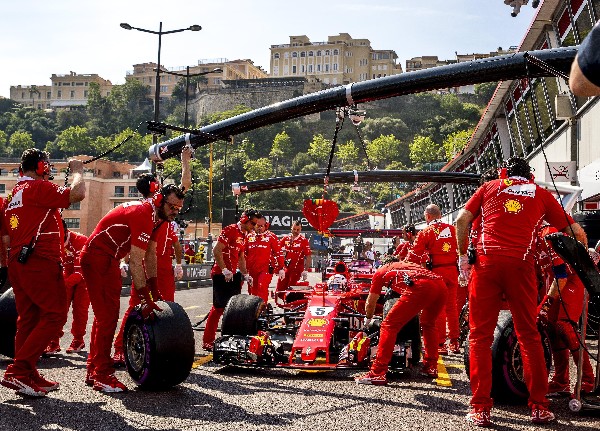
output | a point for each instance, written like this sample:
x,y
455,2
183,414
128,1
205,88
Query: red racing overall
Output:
x,y
234,240
511,212
260,250
426,295
293,250
31,218
437,244
563,317
129,224
77,294
165,235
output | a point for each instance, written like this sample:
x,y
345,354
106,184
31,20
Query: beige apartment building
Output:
x,y
65,92
108,184
231,70
340,60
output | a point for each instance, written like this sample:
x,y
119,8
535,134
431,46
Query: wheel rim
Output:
x,y
517,363
136,348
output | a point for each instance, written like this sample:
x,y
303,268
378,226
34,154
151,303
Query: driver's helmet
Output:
x,y
337,283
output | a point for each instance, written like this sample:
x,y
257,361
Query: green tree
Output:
x,y
258,169
75,140
347,154
375,127
319,148
456,142
386,149
485,90
19,142
423,150
3,142
281,149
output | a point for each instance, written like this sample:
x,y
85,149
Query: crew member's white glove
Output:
x,y
124,268
304,275
248,279
178,272
366,321
228,274
464,266
281,274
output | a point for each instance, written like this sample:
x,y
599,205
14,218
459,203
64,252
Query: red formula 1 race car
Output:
x,y
319,327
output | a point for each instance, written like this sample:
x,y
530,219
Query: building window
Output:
x,y
318,53
303,54
75,206
48,95
133,192
72,94
58,94
294,54
318,67
286,55
327,52
326,68
85,94
293,70
276,55
72,223
119,191
164,89
336,52
310,68
2,188
311,54
335,66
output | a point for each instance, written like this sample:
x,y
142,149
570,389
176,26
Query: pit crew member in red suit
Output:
x,y
262,247
511,209
127,229
408,237
420,290
295,249
77,294
435,247
559,313
227,281
35,234
167,241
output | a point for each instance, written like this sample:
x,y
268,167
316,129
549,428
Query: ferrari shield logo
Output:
x,y
14,221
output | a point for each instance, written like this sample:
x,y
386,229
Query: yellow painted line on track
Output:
x,y
443,377
191,307
455,366
202,360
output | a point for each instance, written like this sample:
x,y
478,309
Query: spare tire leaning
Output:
x,y
240,316
8,323
159,353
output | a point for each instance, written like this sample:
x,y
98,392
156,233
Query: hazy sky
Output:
x,y
41,37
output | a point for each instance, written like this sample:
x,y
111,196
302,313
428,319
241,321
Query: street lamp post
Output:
x,y
187,76
160,32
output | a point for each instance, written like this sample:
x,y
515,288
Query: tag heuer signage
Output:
x,y
280,220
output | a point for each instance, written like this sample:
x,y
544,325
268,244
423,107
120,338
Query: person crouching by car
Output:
x,y
420,290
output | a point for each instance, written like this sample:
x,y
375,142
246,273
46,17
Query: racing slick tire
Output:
x,y
411,331
8,323
240,316
159,353
507,365
463,324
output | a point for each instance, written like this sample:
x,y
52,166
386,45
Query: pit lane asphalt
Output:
x,y
217,398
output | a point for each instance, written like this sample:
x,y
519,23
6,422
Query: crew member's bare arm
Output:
x,y
77,192
579,84
150,260
465,217
136,268
370,304
186,172
242,264
575,230
218,255
178,252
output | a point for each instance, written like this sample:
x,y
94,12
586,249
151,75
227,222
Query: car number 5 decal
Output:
x,y
320,311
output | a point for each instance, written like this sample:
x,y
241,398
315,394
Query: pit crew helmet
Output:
x,y
337,283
